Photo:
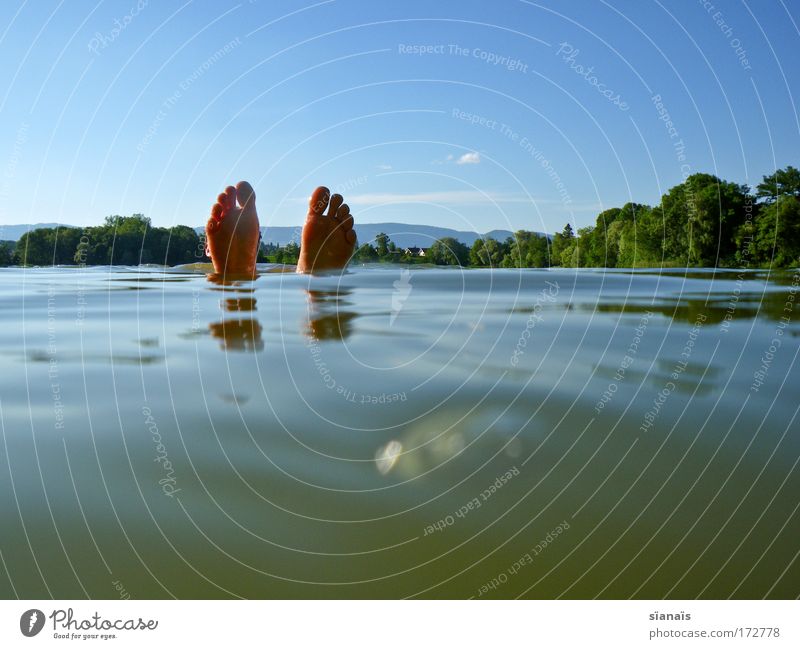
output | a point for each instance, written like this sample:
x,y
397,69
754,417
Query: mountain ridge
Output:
x,y
14,232
404,235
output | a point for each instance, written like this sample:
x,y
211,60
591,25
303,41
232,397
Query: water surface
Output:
x,y
399,432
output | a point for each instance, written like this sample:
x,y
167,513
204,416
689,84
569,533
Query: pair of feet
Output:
x,y
232,233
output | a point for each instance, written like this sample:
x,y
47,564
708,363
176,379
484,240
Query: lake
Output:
x,y
399,432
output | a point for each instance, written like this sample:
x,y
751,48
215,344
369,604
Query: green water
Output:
x,y
389,433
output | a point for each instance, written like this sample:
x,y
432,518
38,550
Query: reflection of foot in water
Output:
x,y
238,335
325,320
243,334
240,304
232,233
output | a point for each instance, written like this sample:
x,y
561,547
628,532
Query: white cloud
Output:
x,y
471,158
385,167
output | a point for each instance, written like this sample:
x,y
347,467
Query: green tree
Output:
x,y
700,218
631,234
477,254
538,253
7,253
511,258
291,252
128,240
561,241
525,249
517,250
120,240
784,182
47,246
382,245
366,253
125,236
448,251
672,215
35,248
603,247
179,245
570,257
718,211
583,253
777,233
486,252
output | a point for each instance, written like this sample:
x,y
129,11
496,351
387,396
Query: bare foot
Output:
x,y
232,232
328,239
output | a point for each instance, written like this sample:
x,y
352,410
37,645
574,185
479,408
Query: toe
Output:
x,y
245,193
333,208
222,201
350,235
230,193
344,217
319,200
216,212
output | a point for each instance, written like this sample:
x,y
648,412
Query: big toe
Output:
x,y
319,200
245,194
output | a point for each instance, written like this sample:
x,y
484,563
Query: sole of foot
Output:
x,y
232,232
328,238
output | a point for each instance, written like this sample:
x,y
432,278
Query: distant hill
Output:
x,y
15,232
404,235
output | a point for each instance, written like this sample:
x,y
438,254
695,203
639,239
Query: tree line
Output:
x,y
704,221
123,240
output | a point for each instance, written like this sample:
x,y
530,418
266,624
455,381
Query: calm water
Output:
x,y
391,433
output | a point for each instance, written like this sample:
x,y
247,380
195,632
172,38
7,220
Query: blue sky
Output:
x,y
493,120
